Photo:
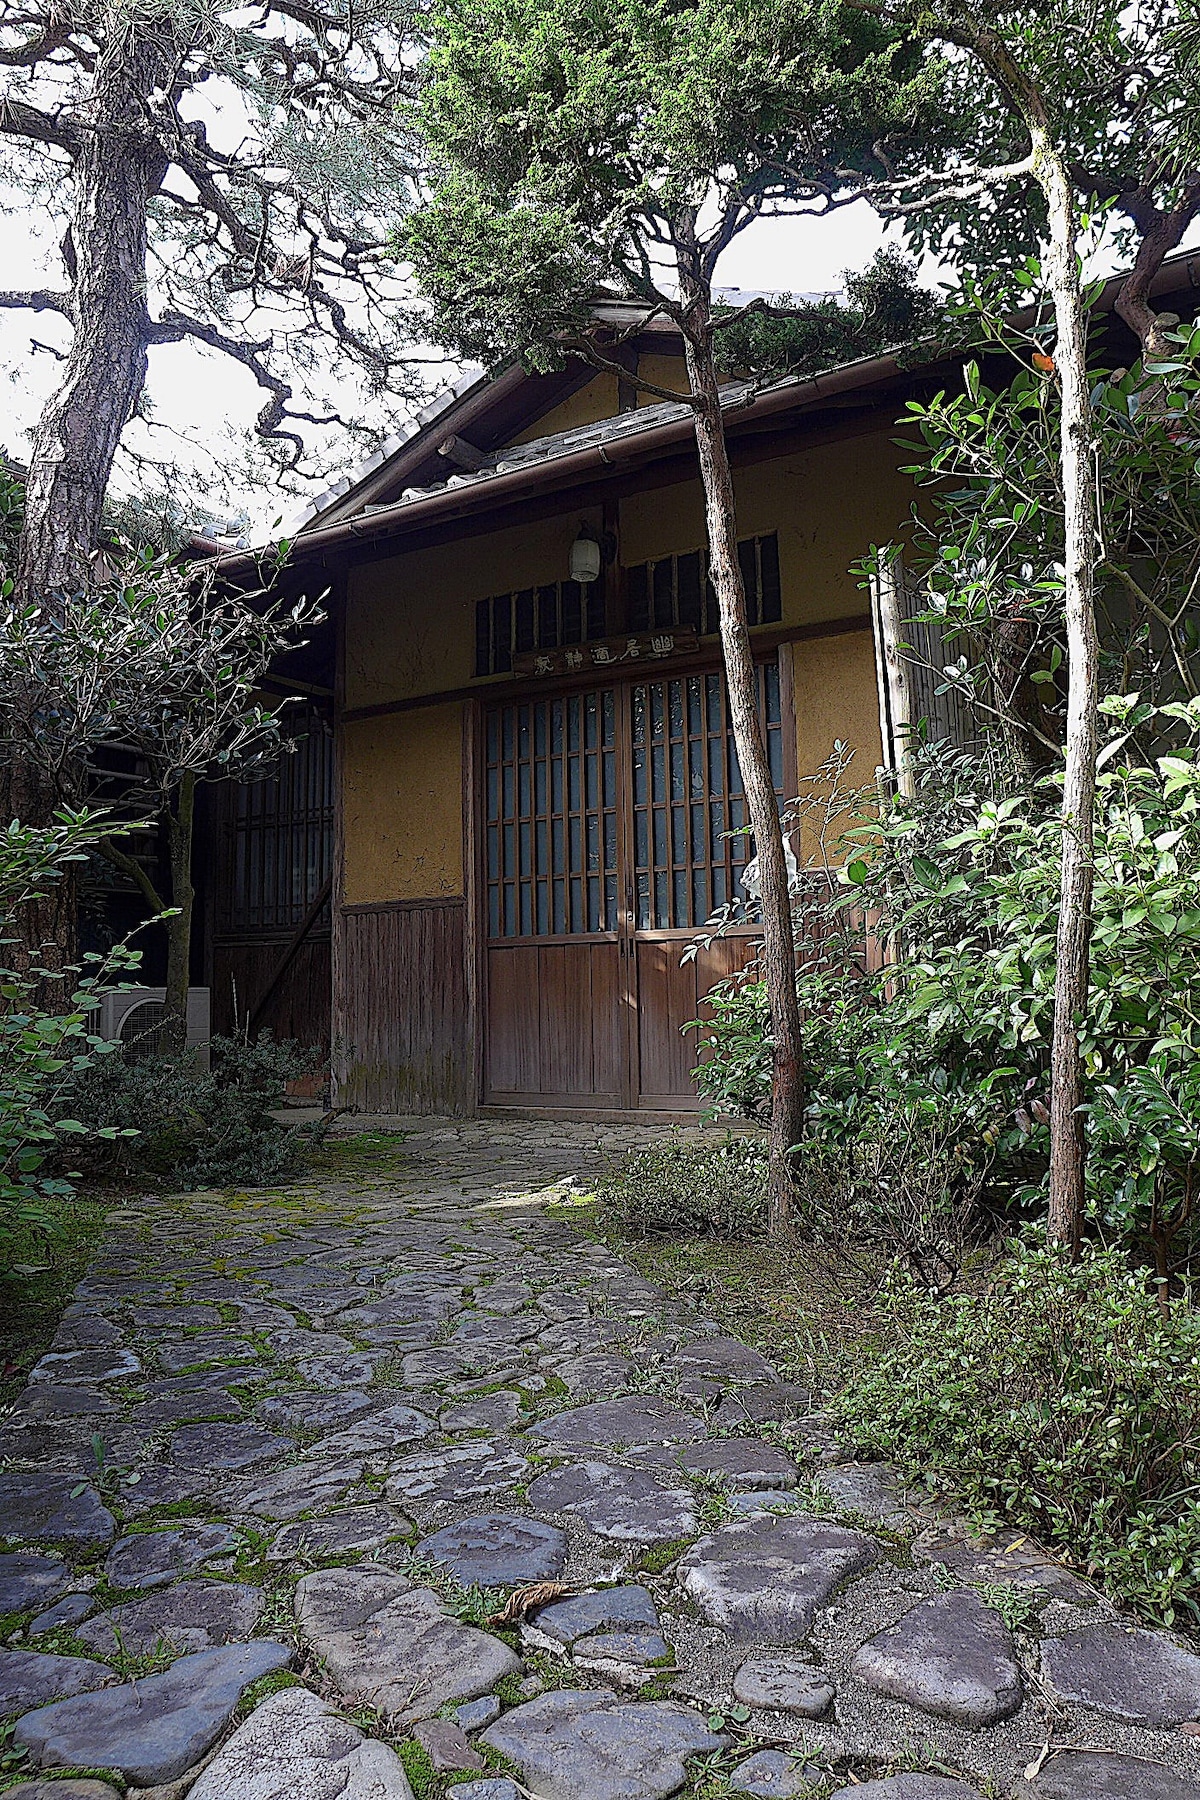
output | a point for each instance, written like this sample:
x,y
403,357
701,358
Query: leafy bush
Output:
x,y
199,1127
688,1190
734,1075
910,1190
951,1032
1061,1400
43,1051
974,917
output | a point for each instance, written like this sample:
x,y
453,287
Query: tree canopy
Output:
x,y
567,143
219,175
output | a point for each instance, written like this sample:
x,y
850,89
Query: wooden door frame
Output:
x,y
626,898
623,679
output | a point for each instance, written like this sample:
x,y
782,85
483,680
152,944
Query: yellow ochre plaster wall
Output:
x,y
410,623
410,620
835,697
668,372
402,806
410,631
587,406
828,504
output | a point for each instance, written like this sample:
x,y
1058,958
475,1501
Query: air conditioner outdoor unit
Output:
x,y
135,1017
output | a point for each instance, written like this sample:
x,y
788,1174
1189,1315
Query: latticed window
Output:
x,y
280,836
540,618
563,821
675,590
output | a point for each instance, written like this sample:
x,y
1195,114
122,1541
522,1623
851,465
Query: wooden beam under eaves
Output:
x,y
463,455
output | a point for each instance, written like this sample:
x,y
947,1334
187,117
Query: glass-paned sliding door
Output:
x,y
613,829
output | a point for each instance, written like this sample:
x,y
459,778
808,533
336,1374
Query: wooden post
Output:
x,y
895,679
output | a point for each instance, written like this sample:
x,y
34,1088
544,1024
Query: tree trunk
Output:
x,y
115,171
76,439
1067,1145
779,951
897,683
180,821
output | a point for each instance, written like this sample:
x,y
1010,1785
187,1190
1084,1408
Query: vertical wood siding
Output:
x,y
400,1009
299,1007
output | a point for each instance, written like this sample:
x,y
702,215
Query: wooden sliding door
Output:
x,y
606,848
686,797
556,1017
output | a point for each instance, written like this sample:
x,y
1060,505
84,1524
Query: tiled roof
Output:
x,y
412,427
562,443
515,456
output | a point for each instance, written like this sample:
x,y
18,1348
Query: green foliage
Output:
x,y
198,1127
1061,1400
929,1075
1020,1607
40,1265
988,541
1121,85
735,1075
684,1189
164,662
12,514
418,1766
974,914
43,1051
569,144
884,309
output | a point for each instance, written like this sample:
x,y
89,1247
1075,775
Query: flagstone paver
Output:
x,y
763,1580
783,1681
187,1616
295,1747
1136,1675
773,1773
618,1503
394,1645
497,1550
953,1657
154,1730
29,1678
364,1412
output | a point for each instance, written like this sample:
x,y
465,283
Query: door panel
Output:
x,y
551,803
607,822
582,1049
687,797
556,1030
670,995
514,1023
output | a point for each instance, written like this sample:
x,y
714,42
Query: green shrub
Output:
x,y
734,1076
198,1127
680,1189
1063,1400
909,1190
954,1030
44,1046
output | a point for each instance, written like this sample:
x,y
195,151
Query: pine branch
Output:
x,y
174,326
37,300
19,119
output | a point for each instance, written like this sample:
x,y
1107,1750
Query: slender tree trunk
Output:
x,y
180,823
779,951
1067,1144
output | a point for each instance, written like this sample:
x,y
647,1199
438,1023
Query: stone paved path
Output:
x,y
366,1413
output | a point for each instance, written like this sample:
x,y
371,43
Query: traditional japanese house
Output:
x,y
512,811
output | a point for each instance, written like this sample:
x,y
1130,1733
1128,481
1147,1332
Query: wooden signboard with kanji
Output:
x,y
574,659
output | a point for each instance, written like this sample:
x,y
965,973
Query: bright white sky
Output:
x,y
204,397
